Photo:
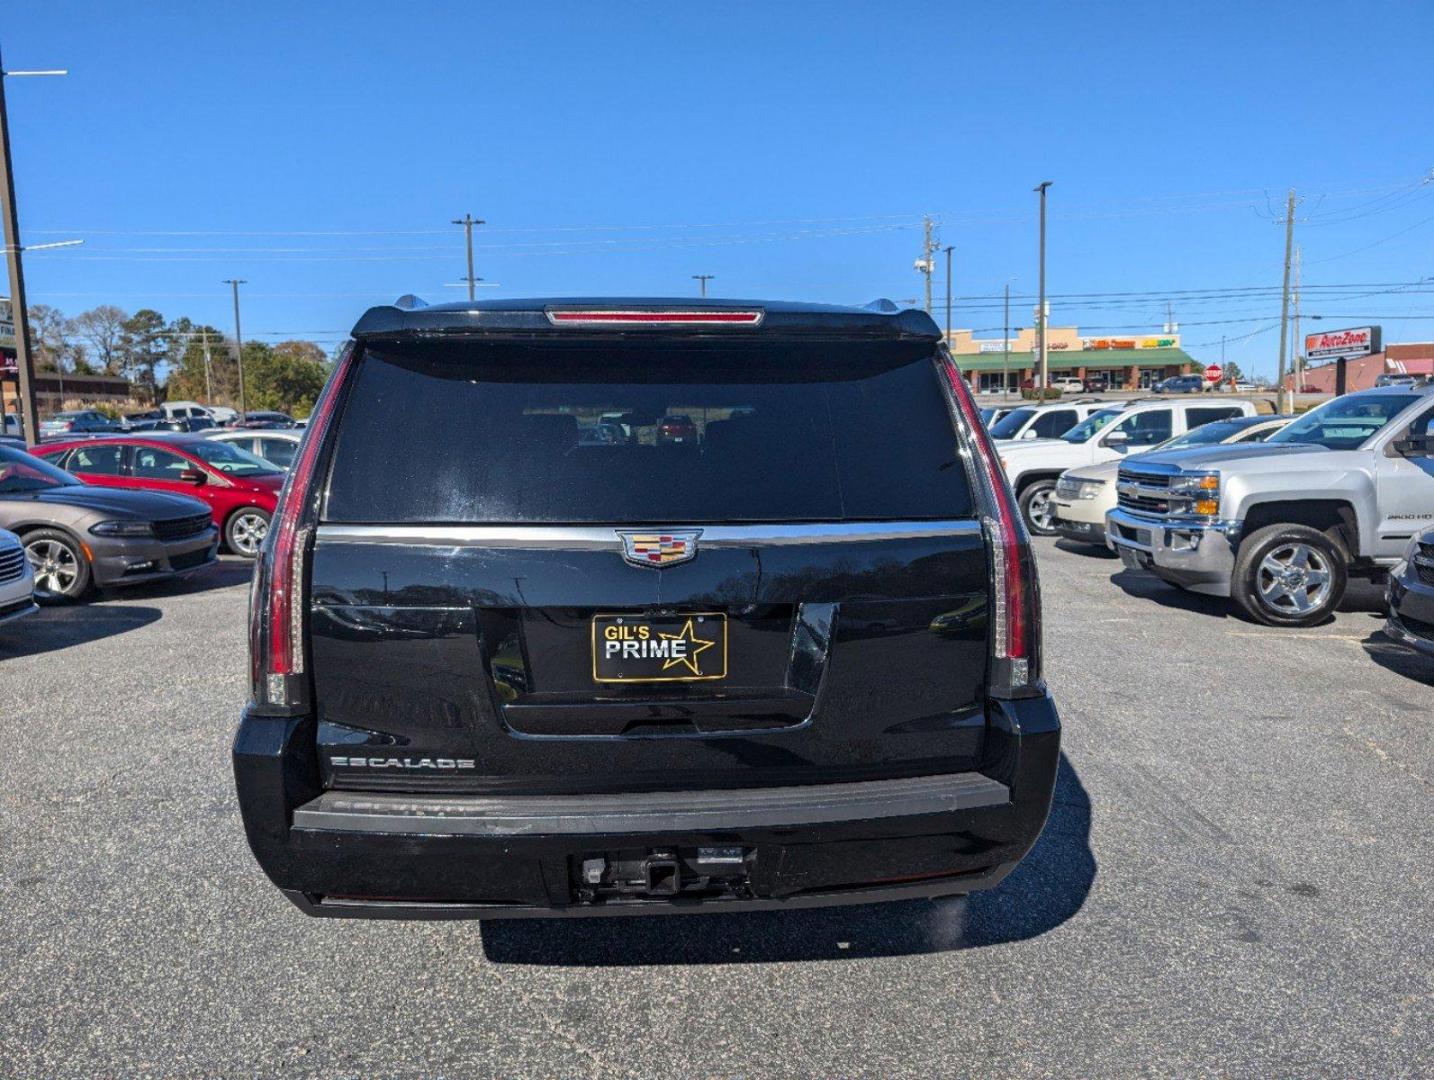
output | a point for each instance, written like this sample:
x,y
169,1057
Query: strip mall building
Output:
x,y
1128,363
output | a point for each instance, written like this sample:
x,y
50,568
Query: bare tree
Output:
x,y
103,330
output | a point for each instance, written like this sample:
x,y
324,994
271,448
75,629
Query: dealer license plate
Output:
x,y
659,648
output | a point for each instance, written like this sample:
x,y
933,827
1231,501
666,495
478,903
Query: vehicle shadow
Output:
x,y
1048,887
1394,657
53,628
1090,550
1149,587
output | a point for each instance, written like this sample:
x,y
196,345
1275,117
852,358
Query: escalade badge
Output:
x,y
659,549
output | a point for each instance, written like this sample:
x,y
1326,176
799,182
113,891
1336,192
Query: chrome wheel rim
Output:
x,y
248,532
1294,579
56,567
1042,514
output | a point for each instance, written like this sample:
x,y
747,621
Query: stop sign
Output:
x,y
1213,373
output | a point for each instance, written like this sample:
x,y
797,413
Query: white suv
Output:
x,y
1107,434
1048,421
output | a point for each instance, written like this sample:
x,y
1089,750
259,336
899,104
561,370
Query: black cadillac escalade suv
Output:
x,y
518,649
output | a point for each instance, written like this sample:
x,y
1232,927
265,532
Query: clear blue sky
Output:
x,y
319,151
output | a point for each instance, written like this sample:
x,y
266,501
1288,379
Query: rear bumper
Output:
x,y
1197,555
134,562
413,856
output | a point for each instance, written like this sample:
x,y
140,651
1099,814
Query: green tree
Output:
x,y
286,377
1233,371
144,347
186,376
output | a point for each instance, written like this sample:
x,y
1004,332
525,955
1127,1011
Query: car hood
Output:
x,y
257,483
1105,471
1256,456
1005,447
123,503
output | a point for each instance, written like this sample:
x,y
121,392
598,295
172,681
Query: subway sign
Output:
x,y
1344,344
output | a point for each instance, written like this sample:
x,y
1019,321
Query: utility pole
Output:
x,y
703,279
1006,349
1296,343
1042,374
238,339
468,221
1285,307
208,385
927,262
948,250
20,312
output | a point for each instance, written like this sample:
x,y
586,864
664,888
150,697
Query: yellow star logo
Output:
x,y
689,658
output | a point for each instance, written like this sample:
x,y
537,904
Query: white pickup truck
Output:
x,y
1109,433
1279,527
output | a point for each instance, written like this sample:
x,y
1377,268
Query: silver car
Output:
x,y
277,447
17,580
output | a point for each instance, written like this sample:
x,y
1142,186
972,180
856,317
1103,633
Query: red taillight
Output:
x,y
280,645
669,318
1010,630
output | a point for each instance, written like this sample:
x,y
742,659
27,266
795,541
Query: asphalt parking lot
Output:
x,y
1235,881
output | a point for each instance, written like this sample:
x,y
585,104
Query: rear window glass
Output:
x,y
637,433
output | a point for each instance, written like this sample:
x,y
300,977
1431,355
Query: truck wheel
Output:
x,y
1289,575
1036,507
62,573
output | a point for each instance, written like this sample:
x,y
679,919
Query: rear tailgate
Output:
x,y
801,596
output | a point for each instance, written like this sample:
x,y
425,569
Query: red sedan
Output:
x,y
241,489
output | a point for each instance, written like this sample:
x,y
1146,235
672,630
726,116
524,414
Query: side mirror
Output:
x,y
194,476
1117,438
1029,433
1414,446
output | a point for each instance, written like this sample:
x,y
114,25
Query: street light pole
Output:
x,y
234,283
1042,375
703,279
20,312
948,250
1006,349
468,221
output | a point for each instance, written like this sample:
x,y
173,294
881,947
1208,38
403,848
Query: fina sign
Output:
x,y
1344,344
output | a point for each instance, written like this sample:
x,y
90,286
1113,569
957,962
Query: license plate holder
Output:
x,y
684,647
1134,559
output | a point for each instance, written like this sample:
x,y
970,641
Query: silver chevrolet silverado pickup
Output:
x,y
1279,527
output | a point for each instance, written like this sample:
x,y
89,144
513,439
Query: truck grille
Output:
x,y
12,564
1146,493
179,528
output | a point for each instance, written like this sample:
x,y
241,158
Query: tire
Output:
x,y
1035,503
1289,575
245,530
62,571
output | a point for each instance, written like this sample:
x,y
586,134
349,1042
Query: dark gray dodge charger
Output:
x,y
77,536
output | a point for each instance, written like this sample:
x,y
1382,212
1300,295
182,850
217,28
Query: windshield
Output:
x,y
20,472
1009,426
1090,425
1344,423
1204,435
228,458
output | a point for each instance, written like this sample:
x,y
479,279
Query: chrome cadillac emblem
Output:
x,y
659,548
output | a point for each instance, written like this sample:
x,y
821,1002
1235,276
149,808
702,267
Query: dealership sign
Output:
x,y
1344,344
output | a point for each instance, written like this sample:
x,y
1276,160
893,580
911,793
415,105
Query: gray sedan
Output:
x,y
77,536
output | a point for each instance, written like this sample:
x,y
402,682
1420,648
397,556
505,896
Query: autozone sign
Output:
x,y
1360,341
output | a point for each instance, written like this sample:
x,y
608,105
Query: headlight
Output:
x,y
122,528
1089,489
1203,490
